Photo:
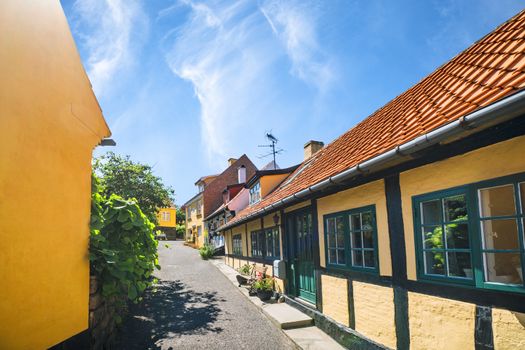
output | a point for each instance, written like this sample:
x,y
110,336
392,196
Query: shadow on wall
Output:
x,y
167,313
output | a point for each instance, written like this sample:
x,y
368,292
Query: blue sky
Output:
x,y
185,85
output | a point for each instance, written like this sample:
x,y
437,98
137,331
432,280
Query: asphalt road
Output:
x,y
196,307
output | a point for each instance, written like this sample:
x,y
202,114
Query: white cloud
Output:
x,y
294,24
230,55
110,31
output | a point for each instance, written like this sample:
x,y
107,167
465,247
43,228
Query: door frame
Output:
x,y
289,247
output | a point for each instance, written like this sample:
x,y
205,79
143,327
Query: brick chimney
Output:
x,y
231,161
311,148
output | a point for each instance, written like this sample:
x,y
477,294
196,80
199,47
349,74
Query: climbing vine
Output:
x,y
123,249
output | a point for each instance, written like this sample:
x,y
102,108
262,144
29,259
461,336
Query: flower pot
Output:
x,y
241,279
264,295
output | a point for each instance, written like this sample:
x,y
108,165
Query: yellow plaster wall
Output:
x,y
369,194
493,161
297,206
268,220
270,182
335,298
509,329
438,323
172,222
374,313
51,122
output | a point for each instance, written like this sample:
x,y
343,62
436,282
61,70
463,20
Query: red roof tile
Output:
x,y
489,70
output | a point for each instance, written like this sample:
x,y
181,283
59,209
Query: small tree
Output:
x,y
128,179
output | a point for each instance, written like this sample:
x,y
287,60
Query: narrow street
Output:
x,y
196,307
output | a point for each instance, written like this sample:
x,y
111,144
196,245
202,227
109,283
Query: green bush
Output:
x,y
245,269
181,231
264,284
123,249
206,251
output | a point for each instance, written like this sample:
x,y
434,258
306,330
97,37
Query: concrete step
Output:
x,y
286,317
312,338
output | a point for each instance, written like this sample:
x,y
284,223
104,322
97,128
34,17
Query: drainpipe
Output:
x,y
496,113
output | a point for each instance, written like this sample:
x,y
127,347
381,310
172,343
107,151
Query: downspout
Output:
x,y
496,113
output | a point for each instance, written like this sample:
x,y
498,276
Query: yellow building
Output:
x,y
407,232
167,217
195,233
51,122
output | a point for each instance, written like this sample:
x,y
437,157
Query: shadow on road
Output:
x,y
168,311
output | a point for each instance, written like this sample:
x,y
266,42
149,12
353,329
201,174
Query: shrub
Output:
x,y
245,269
263,284
206,251
123,249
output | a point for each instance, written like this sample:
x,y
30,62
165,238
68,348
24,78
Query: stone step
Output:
x,y
286,317
312,338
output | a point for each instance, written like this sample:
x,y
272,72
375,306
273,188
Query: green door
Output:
x,y
301,281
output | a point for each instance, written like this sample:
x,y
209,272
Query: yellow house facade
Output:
x,y
167,217
407,232
51,122
195,230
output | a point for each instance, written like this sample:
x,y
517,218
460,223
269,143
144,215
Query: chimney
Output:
x,y
311,148
241,174
231,161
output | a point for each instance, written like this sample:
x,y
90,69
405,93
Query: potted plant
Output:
x,y
264,288
244,274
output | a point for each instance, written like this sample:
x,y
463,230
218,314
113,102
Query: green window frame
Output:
x,y
495,211
257,243
237,244
272,243
351,239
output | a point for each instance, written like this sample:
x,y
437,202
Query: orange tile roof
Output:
x,y
489,70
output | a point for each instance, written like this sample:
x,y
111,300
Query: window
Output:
x,y
257,243
166,216
273,248
473,234
255,193
199,208
501,225
237,244
351,239
444,235
266,244
199,230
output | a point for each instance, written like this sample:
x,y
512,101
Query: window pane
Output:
x,y
434,263
368,239
331,240
341,258
497,201
356,240
431,211
369,258
331,256
459,264
500,234
340,239
355,222
367,222
455,208
503,268
457,236
357,258
433,237
330,225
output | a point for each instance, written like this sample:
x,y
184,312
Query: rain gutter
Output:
x,y
496,113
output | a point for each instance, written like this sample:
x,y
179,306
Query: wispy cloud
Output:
x,y
110,30
229,54
294,23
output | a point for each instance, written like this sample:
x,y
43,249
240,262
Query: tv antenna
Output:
x,y
273,140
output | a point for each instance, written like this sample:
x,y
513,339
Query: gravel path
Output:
x,y
196,307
